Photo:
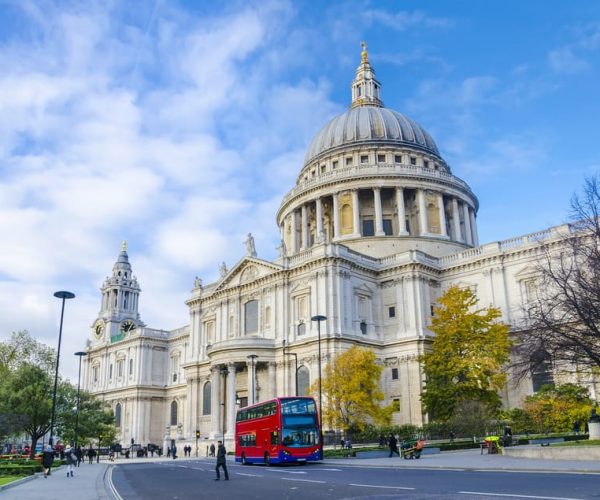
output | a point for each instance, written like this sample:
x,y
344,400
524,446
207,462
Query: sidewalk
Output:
x,y
474,460
86,484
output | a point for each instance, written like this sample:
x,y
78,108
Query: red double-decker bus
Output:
x,y
278,431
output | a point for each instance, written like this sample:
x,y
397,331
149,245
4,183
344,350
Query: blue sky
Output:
x,y
179,126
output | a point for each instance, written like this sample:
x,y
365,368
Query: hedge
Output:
x,y
19,470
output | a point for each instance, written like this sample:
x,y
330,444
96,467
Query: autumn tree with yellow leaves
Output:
x,y
469,352
351,391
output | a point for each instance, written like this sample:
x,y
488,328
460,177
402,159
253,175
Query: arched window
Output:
x,y
206,394
251,317
174,413
118,415
303,381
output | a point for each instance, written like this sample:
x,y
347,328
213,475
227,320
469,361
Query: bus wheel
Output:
x,y
267,459
244,462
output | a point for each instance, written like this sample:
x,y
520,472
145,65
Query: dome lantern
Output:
x,y
366,88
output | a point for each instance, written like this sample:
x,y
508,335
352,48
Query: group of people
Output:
x,y
74,457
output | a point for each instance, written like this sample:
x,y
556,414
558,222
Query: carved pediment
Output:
x,y
528,272
247,271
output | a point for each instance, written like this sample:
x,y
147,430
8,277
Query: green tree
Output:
x,y
23,348
467,356
27,397
351,390
555,409
95,417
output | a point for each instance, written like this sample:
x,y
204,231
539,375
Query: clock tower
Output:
x,y
119,314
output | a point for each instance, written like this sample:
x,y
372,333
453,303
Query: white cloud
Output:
x,y
151,125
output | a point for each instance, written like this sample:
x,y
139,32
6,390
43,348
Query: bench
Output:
x,y
546,441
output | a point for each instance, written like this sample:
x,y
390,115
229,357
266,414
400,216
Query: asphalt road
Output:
x,y
194,479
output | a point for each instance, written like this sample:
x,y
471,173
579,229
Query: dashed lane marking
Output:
x,y
303,480
515,495
382,487
249,475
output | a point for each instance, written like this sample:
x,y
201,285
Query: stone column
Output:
x,y
294,240
336,216
304,244
251,381
456,220
231,392
378,212
272,380
443,231
468,237
319,215
474,227
356,213
215,404
188,431
424,228
401,212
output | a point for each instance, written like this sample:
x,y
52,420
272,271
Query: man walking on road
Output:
x,y
221,461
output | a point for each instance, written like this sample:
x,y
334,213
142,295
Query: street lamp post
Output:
x,y
295,364
318,318
80,354
252,358
64,296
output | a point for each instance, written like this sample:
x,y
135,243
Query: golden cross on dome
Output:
x,y
124,246
364,54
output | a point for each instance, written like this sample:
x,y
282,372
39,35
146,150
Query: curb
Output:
x,y
19,481
467,468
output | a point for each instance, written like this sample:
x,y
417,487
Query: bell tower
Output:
x,y
119,316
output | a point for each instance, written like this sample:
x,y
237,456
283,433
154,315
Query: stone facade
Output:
x,y
376,228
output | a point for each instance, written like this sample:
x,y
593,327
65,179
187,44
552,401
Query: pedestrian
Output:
x,y
168,451
71,458
452,436
343,443
47,460
221,461
576,427
393,444
174,452
382,440
90,454
79,454
212,449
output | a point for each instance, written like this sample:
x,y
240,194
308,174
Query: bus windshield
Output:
x,y
299,431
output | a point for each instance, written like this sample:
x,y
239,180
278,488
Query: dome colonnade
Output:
x,y
373,172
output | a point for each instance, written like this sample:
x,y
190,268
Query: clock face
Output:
x,y
98,329
127,326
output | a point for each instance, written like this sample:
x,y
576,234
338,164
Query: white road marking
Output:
x,y
514,495
286,471
249,475
304,480
111,485
330,470
384,487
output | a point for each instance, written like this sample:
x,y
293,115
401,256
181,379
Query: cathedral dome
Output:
x,y
372,125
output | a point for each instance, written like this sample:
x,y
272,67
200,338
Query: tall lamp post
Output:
x,y
295,364
318,318
252,358
80,354
64,296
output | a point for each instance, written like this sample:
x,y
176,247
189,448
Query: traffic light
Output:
x,y
197,434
